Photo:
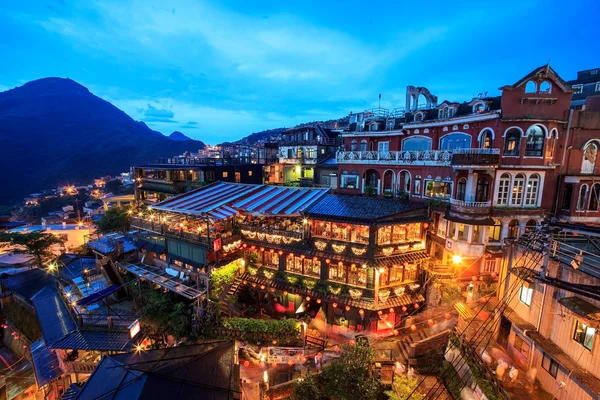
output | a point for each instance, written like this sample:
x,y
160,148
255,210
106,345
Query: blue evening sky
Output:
x,y
220,70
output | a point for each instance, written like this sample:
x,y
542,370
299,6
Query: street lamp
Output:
x,y
456,259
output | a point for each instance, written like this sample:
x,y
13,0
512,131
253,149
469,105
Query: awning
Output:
x,y
149,246
96,297
161,278
45,363
581,307
186,260
222,213
279,200
487,221
411,257
96,341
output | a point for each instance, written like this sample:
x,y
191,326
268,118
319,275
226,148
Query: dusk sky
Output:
x,y
219,71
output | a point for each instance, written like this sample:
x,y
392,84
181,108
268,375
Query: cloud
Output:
x,y
188,126
163,113
158,119
191,123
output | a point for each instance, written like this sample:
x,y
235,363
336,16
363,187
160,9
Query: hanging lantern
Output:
x,y
290,363
262,249
246,363
352,343
416,305
307,298
340,263
379,312
319,356
494,275
302,256
318,301
474,278
253,247
448,315
253,285
391,310
274,341
396,332
328,261
280,252
244,245
334,305
336,348
273,364
404,309
303,360
272,290
262,287
315,258
430,322
361,312
245,282
413,328
272,251
347,308
425,225
292,254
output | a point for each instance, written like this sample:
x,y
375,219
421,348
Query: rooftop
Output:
x,y
27,284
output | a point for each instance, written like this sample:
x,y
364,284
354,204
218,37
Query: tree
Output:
x,y
116,219
403,387
34,243
346,378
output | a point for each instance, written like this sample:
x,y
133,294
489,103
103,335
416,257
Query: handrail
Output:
x,y
476,150
442,157
465,203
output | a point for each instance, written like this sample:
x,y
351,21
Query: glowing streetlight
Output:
x,y
456,259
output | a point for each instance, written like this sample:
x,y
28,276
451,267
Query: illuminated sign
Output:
x,y
134,328
281,355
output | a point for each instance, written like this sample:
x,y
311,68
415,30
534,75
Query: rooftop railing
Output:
x,y
474,204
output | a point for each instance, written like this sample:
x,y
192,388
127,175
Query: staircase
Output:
x,y
234,286
314,339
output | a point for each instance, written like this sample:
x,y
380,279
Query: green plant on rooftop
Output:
x,y
116,219
278,328
345,378
222,277
36,243
403,387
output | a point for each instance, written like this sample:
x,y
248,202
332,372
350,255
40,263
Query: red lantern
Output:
x,y
347,308
262,249
336,348
262,287
430,322
318,301
292,254
280,252
253,247
272,290
244,245
319,356
285,293
334,305
474,278
379,312
413,328
290,363
274,341
494,275
245,282
246,363
340,263
302,256
396,332
273,364
315,258
416,306
352,343
425,225
328,261
391,310
448,315
272,251
404,309
361,312
307,298
303,359
253,285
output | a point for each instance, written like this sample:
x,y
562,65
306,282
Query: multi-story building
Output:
x,y
482,165
550,327
306,157
587,84
359,258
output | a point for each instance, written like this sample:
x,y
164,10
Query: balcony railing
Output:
x,y
376,113
297,160
474,204
263,233
79,367
475,156
476,151
414,157
308,142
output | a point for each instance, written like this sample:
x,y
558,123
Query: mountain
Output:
x,y
53,131
178,136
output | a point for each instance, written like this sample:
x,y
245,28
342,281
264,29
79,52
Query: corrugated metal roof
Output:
x,y
54,317
96,341
45,364
221,200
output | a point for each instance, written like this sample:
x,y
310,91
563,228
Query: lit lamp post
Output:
x,y
457,260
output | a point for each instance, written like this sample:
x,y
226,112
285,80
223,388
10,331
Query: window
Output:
x,y
311,153
461,188
531,194
495,231
526,294
550,365
299,152
416,143
512,142
595,198
357,275
438,189
590,153
485,142
476,237
594,72
584,335
479,108
567,195
337,272
417,185
582,197
210,176
503,189
249,173
482,190
597,88
455,141
349,181
545,87
514,229
383,147
577,89
363,145
531,87
530,226
442,227
534,146
550,143
516,198
225,174
419,117
521,345
489,266
353,145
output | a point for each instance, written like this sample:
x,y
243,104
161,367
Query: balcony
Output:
x,y
298,160
470,207
465,249
79,367
270,235
198,238
376,113
409,157
475,158
322,141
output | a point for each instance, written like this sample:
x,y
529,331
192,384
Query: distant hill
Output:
x,y
178,136
273,135
53,131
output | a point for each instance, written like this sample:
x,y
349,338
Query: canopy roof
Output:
x,y
222,200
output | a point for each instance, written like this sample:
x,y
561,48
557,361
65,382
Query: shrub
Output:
x,y
221,277
283,328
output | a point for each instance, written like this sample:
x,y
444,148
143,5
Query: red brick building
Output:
x,y
489,167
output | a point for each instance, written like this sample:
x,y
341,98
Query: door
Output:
x,y
238,177
504,332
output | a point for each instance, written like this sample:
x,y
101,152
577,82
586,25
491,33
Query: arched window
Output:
x,y
534,147
530,225
533,188
512,142
583,195
461,189
595,197
416,143
503,190
514,229
404,181
545,87
482,192
531,87
419,117
567,195
373,126
590,152
485,141
417,185
363,145
478,108
299,153
495,231
516,198
453,141
550,143
353,145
